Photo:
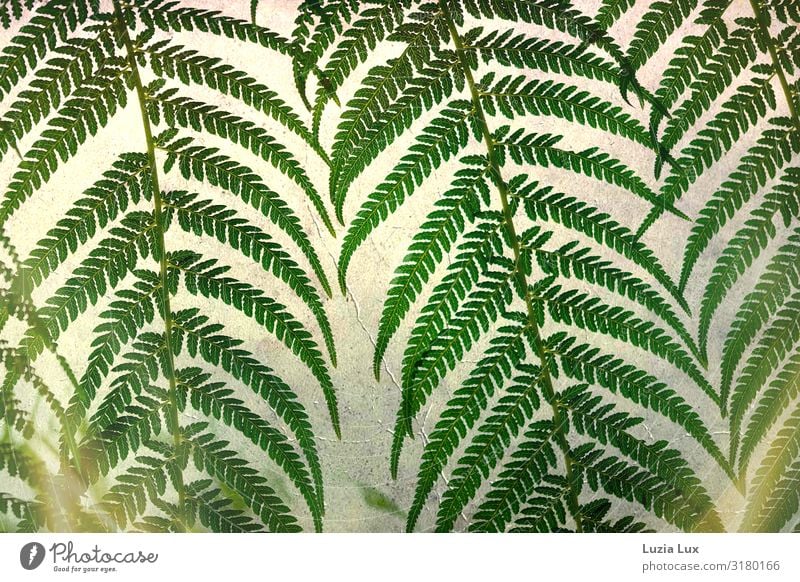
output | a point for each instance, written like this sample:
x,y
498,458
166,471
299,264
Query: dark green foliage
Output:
x,y
123,433
506,444
575,376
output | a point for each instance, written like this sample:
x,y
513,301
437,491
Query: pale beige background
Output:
x,y
368,407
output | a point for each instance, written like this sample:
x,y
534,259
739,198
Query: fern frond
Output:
x,y
723,67
574,261
588,364
611,11
593,514
589,313
590,416
442,139
620,479
545,204
556,15
474,254
511,413
211,455
142,365
689,58
779,339
436,235
512,96
169,16
481,308
772,151
89,109
382,87
215,513
545,511
745,247
125,183
773,499
541,150
74,65
106,265
374,23
124,318
207,164
51,22
549,56
772,403
462,411
434,83
743,110
204,277
203,217
137,424
655,27
191,67
528,467
11,10
204,340
217,401
187,113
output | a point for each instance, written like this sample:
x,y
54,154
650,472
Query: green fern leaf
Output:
x,y
655,27
589,364
773,499
434,239
506,351
511,413
187,113
549,56
438,142
778,340
202,217
211,455
772,151
215,400
82,115
541,150
527,468
204,340
512,96
205,278
217,169
52,21
744,248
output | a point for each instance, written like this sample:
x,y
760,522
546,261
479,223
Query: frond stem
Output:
x,y
158,216
559,419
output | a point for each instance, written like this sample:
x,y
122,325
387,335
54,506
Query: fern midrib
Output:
x,y
763,25
159,221
547,382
